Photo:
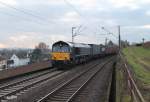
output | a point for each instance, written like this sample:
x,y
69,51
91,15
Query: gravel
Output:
x,y
97,89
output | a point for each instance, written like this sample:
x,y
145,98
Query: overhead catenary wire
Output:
x,y
73,7
25,12
79,13
24,18
19,26
40,17
109,33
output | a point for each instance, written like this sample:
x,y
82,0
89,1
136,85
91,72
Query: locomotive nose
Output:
x,y
54,58
60,56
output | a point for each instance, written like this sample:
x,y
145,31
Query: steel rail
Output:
x,y
89,79
46,97
29,85
26,79
59,87
132,85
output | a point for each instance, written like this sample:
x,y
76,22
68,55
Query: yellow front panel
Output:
x,y
60,56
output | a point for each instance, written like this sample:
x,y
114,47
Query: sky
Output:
x,y
25,23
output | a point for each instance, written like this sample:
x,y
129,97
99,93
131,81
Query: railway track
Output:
x,y
24,78
10,91
14,89
68,90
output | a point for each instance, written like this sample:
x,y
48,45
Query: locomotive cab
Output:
x,y
68,53
60,54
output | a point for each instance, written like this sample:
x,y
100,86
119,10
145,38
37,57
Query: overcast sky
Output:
x,y
25,23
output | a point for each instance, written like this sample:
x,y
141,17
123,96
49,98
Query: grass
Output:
x,y
139,59
122,92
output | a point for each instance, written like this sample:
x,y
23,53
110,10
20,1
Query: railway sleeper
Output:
x,y
64,94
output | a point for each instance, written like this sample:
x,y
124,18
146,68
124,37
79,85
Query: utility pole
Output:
x,y
106,41
143,40
73,35
118,37
119,40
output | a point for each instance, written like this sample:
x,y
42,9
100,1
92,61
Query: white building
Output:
x,y
18,61
3,63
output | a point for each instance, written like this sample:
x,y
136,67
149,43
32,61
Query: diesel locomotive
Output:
x,y
68,53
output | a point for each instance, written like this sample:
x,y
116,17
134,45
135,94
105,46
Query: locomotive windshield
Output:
x,y
60,48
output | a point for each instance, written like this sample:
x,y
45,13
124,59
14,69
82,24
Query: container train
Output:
x,y
68,53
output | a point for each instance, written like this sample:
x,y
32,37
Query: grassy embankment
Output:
x,y
139,59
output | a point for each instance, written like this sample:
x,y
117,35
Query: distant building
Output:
x,y
3,63
16,61
147,44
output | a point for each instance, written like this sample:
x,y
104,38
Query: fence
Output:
x,y
136,95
